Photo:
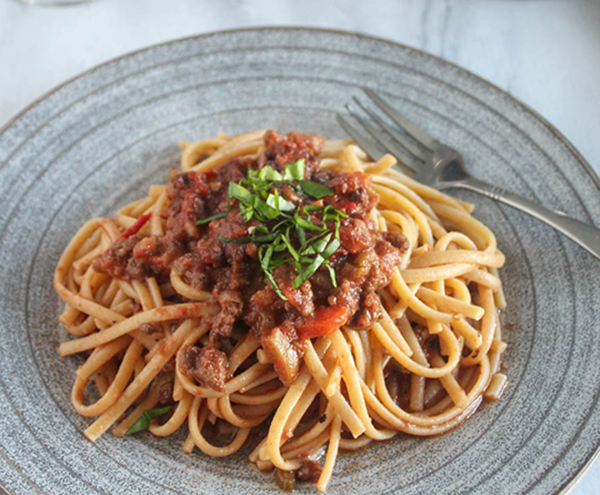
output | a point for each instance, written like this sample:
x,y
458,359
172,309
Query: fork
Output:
x,y
442,167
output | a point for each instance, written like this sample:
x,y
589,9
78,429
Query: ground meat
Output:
x,y
187,194
355,235
169,366
232,303
284,149
428,342
381,273
207,365
137,259
165,389
347,295
362,276
256,315
192,196
300,299
308,471
353,193
151,328
369,311
397,240
136,306
208,258
193,271
116,258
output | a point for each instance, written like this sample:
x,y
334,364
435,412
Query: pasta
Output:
x,y
420,364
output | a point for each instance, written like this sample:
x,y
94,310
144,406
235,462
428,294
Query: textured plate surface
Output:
x,y
100,140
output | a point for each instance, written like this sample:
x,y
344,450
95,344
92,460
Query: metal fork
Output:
x,y
437,165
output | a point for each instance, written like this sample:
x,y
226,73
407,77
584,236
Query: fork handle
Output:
x,y
587,236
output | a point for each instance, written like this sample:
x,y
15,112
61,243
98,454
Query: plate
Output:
x,y
100,140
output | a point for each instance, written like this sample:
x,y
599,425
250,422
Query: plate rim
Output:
x,y
568,486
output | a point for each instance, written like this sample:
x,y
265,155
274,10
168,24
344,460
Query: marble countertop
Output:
x,y
544,52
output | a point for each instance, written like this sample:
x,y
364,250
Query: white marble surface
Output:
x,y
547,53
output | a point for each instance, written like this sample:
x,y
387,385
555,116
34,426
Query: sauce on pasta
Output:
x,y
287,284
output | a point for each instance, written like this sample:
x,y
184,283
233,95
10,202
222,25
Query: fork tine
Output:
x,y
361,140
398,136
400,154
402,121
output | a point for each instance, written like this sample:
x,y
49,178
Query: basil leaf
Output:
x,y
331,274
295,170
305,224
315,189
276,263
247,239
264,209
280,248
239,240
314,208
260,199
264,262
247,212
262,238
319,245
331,248
285,205
330,210
274,200
238,192
144,420
301,235
216,216
276,288
269,174
308,271
291,249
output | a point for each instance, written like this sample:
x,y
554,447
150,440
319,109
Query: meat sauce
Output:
x,y
363,262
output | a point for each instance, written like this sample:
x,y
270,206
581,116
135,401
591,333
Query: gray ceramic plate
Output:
x,y
98,142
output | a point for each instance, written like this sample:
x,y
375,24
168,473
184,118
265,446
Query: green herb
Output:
x,y
331,248
315,240
148,415
315,189
295,170
285,480
267,267
269,174
331,273
238,192
305,274
318,245
279,203
202,221
250,238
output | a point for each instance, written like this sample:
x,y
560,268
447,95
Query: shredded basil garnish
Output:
x,y
202,221
294,171
316,239
314,189
143,423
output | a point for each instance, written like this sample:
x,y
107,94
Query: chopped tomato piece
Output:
x,y
209,174
327,319
346,206
134,229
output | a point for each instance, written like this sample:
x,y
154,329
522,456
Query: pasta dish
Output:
x,y
285,294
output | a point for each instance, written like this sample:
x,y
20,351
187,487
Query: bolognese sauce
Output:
x,y
208,257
